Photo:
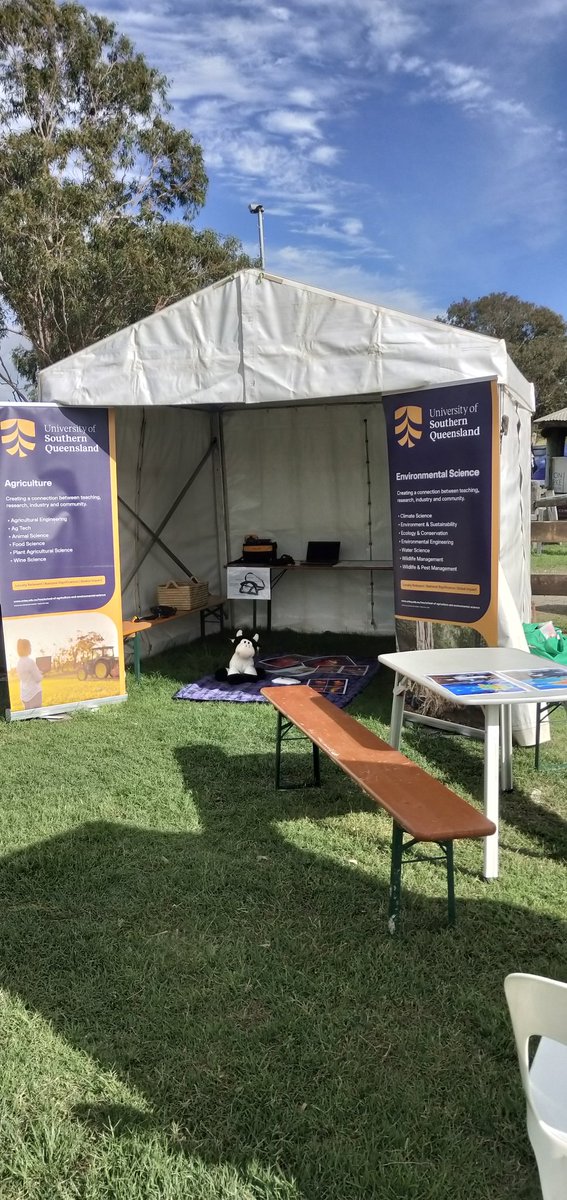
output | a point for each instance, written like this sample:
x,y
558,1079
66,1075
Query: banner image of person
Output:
x,y
59,559
443,454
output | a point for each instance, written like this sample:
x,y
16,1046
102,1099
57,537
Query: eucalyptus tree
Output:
x,y
536,338
98,189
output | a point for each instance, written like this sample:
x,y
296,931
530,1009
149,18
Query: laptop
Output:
x,y
323,553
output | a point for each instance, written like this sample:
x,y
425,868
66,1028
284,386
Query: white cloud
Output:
x,y
523,24
323,269
353,227
293,122
211,75
324,155
348,233
302,97
391,25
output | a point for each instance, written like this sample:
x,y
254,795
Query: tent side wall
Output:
x,y
314,473
295,473
515,499
157,452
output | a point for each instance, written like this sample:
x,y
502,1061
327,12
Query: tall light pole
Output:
x,y
259,210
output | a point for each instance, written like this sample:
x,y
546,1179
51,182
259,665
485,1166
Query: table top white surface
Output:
x,y
418,665
344,564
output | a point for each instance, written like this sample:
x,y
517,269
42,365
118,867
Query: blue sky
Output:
x,y
406,151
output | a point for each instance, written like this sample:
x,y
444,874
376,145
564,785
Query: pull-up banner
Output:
x,y
443,453
59,559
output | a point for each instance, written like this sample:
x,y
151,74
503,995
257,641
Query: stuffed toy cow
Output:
x,y
242,667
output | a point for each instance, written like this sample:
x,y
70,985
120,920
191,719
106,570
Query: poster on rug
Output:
x,y
443,454
248,583
59,577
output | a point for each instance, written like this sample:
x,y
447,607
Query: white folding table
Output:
x,y
420,665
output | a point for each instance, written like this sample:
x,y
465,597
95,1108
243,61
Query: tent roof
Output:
x,y
257,338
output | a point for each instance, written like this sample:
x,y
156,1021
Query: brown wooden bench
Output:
x,y
420,805
212,607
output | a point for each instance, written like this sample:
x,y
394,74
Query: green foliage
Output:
x,y
536,338
91,173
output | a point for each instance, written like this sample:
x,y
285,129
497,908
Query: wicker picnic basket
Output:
x,y
183,596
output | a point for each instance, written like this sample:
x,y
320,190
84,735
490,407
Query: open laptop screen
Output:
x,y
323,552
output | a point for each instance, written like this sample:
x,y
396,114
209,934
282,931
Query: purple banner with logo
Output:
x,y
444,471
56,528
59,564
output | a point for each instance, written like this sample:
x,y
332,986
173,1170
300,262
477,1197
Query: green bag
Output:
x,y
553,647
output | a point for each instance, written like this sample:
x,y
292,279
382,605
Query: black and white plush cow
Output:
x,y
242,667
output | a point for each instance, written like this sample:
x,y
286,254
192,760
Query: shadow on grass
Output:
x,y
457,762
249,990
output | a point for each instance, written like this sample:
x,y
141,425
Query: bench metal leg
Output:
x,y
395,878
137,657
316,766
217,613
279,735
450,882
401,848
283,732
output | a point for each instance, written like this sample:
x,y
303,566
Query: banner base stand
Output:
x,y
28,714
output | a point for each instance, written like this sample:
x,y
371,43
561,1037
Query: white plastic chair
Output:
x,y
538,1007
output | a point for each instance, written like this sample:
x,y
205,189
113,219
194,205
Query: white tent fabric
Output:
x,y
285,381
256,338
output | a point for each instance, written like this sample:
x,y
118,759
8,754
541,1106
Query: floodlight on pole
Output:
x,y
259,210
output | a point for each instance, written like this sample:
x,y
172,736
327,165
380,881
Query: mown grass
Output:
x,y
552,559
200,999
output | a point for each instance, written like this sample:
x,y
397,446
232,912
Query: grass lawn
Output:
x,y
200,999
553,559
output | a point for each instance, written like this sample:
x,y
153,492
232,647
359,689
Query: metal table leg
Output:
x,y
506,770
491,787
397,716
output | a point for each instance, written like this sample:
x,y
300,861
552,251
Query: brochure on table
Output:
x,y
490,683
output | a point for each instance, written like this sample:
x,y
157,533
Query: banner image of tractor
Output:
x,y
100,664
48,666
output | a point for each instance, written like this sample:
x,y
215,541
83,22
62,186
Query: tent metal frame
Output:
x,y
155,533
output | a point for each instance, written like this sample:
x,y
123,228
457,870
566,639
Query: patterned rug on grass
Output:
x,y
338,677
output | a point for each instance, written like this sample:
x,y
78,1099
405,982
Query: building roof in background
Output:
x,y
551,419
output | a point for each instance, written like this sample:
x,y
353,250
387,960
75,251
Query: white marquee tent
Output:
x,y
265,395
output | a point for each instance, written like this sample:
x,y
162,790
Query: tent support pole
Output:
x,y
223,510
186,570
221,499
155,533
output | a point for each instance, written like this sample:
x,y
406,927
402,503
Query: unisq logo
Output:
x,y
18,436
408,422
